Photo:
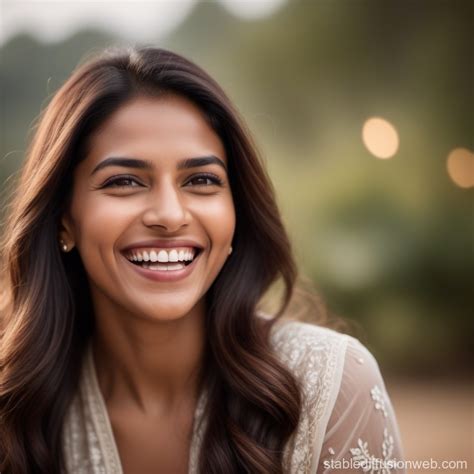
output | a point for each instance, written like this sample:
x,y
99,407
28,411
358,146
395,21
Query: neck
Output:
x,y
154,365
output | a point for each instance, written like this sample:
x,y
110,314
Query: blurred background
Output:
x,y
363,113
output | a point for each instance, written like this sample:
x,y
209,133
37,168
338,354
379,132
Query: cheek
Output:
x,y
218,220
99,222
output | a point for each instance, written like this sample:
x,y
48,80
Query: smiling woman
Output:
x,y
111,214
140,241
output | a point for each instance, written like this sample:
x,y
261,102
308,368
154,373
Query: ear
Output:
x,y
66,230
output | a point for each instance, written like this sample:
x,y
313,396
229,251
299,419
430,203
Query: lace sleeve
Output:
x,y
362,433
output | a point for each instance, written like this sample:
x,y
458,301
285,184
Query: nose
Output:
x,y
165,208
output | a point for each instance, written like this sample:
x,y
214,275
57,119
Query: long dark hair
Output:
x,y
254,402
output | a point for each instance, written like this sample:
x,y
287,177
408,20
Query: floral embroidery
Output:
x,y
370,463
387,445
379,399
313,354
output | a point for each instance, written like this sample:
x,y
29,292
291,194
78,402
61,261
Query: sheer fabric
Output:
x,y
362,433
346,412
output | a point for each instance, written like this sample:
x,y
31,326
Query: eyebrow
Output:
x,y
187,163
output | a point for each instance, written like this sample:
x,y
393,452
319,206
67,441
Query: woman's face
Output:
x,y
121,213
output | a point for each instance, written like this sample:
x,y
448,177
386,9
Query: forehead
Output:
x,y
165,128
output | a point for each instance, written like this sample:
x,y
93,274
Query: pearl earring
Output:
x,y
230,250
63,246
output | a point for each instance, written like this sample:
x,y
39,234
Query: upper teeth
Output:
x,y
162,255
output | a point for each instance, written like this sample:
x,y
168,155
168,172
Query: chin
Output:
x,y
168,313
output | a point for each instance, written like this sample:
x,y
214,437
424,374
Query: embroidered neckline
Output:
x,y
103,427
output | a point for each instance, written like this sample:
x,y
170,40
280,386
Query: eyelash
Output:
x,y
214,178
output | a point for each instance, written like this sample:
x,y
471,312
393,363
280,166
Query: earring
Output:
x,y
63,245
230,250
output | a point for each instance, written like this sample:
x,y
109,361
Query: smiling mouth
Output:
x,y
167,266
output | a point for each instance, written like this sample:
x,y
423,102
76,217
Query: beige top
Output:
x,y
347,416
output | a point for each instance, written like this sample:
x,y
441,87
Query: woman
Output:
x,y
141,238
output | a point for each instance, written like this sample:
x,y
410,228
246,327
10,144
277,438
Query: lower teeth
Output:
x,y
163,266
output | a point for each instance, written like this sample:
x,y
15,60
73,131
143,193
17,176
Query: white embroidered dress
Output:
x,y
347,422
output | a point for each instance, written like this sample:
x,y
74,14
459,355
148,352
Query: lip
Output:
x,y
165,276
161,243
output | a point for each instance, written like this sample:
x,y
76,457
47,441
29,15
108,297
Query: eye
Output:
x,y
206,179
121,182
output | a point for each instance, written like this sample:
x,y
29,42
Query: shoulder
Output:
x,y
363,426
328,366
299,343
361,378
315,356
296,341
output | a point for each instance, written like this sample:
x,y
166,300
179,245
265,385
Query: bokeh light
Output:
x,y
380,137
460,165
252,10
